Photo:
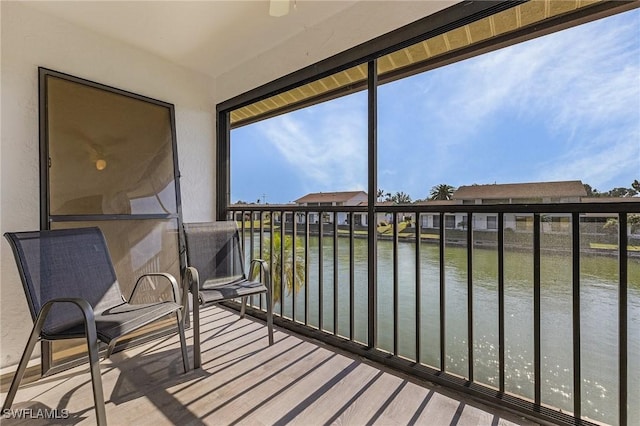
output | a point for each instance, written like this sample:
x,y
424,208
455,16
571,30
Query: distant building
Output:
x,y
521,193
510,193
344,198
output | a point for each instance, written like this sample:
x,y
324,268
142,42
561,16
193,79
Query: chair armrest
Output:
x,y
193,278
85,307
264,268
169,277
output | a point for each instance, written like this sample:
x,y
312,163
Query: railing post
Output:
x,y
252,247
577,376
335,273
372,138
271,248
536,312
306,268
418,290
320,270
395,283
261,248
352,278
294,264
470,296
282,262
622,316
501,348
441,259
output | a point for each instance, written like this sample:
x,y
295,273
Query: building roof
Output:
x,y
328,197
572,188
611,200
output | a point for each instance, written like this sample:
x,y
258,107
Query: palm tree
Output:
x,y
293,275
381,195
401,198
441,192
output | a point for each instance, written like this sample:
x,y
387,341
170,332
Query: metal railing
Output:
x,y
311,256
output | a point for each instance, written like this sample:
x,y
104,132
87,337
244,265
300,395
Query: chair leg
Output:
x,y
110,349
22,366
270,317
183,342
243,307
96,379
196,334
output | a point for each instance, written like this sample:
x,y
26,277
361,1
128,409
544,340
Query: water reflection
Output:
x,y
599,317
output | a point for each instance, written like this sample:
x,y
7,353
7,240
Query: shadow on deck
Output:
x,y
245,381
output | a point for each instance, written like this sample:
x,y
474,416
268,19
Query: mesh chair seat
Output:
x,y
120,320
233,290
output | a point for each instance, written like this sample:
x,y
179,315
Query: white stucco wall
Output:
x,y
30,39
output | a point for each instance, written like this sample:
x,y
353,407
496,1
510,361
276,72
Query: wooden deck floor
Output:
x,y
245,381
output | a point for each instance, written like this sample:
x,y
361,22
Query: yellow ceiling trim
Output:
x,y
515,18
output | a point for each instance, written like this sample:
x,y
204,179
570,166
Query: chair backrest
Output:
x,y
65,263
214,249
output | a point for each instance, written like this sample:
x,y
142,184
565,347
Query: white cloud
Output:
x,y
599,161
326,144
582,85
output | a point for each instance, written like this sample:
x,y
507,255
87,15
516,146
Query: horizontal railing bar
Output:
x,y
542,208
295,208
101,217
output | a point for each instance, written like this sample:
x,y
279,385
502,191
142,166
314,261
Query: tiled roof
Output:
x,y
328,197
572,188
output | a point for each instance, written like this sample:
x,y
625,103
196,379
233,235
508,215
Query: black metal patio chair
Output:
x,y
215,271
72,292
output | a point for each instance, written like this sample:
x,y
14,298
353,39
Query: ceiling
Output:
x,y
414,58
211,37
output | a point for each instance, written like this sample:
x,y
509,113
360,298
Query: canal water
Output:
x,y
598,303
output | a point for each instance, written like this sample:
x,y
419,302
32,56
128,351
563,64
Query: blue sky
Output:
x,y
561,107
